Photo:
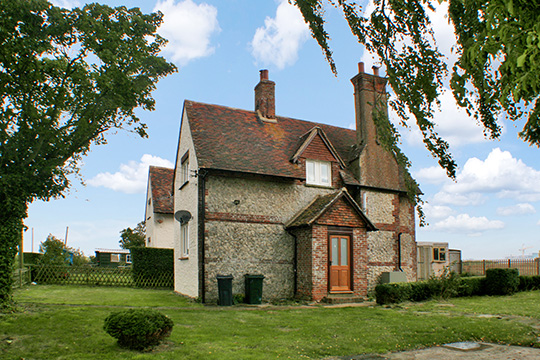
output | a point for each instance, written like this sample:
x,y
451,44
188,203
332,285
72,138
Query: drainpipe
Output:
x,y
399,251
202,174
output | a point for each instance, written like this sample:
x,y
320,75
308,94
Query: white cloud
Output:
x,y
432,175
454,198
453,123
131,178
278,41
188,27
436,211
518,209
500,174
464,223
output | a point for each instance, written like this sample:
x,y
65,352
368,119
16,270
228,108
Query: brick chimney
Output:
x,y
376,166
265,98
368,91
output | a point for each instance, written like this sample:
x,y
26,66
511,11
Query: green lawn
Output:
x,y
66,322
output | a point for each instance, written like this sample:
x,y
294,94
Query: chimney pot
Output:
x,y
375,70
361,67
264,74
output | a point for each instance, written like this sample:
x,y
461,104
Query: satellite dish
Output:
x,y
182,216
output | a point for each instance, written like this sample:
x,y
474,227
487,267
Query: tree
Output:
x,y
497,72
55,252
66,78
131,238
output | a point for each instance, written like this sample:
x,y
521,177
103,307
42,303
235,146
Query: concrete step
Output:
x,y
343,299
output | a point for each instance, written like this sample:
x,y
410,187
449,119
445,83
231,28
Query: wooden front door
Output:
x,y
340,263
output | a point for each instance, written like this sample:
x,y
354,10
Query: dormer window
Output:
x,y
318,173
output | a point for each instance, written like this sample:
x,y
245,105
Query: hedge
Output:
x,y
528,283
30,258
151,263
503,282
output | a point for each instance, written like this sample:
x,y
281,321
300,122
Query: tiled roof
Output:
x,y
237,140
320,204
161,183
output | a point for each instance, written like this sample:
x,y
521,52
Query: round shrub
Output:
x,y
138,329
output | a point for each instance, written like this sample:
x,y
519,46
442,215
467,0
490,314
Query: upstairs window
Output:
x,y
184,169
318,173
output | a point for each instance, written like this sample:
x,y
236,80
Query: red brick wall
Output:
x,y
360,262
340,214
320,262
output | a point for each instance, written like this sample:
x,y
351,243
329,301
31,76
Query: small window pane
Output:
x,y
335,251
442,255
344,252
325,173
436,254
310,172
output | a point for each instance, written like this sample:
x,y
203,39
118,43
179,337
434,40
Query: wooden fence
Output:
x,y
479,267
21,277
95,275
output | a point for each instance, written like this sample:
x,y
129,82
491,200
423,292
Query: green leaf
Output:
x,y
521,59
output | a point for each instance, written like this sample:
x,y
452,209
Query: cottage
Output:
x,y
158,216
320,211
113,257
434,258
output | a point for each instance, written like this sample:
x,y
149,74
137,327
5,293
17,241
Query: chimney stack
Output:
x,y
376,166
368,91
265,98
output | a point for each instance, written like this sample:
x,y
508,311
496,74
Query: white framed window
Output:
x,y
184,169
318,172
128,258
439,254
184,240
115,257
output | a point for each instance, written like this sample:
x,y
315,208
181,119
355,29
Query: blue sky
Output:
x,y
492,211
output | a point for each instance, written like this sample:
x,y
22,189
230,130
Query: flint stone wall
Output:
x,y
248,237
257,249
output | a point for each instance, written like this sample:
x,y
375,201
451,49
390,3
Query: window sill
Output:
x,y
183,258
320,186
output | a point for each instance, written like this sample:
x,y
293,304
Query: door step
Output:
x,y
343,299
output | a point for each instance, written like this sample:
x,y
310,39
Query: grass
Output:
x,y
66,322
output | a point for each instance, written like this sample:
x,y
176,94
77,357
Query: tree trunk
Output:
x,y
10,234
